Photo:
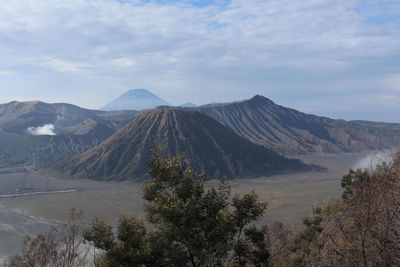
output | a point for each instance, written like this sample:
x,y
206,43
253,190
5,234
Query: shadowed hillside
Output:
x,y
17,117
35,132
42,149
289,131
207,144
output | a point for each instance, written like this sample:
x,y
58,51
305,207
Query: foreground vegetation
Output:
x,y
188,225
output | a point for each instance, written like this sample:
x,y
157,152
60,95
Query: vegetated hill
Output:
x,y
17,117
40,149
207,144
26,128
374,124
289,131
137,99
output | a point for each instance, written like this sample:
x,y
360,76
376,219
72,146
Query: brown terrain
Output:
x,y
290,132
207,145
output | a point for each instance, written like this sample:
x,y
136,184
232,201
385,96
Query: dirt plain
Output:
x,y
290,197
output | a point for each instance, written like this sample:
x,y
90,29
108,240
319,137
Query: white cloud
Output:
x,y
393,82
388,98
6,73
284,49
122,62
64,66
47,129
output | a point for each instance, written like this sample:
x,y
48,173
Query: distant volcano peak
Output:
x,y
207,144
138,92
136,99
260,99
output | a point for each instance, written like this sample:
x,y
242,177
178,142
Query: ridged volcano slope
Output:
x,y
207,144
289,131
40,150
77,130
16,117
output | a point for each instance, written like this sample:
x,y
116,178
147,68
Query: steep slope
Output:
x,y
26,129
289,131
42,149
207,144
17,117
137,99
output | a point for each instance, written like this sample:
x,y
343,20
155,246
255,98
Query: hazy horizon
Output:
x,y
332,58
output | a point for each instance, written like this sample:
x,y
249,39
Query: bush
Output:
x,y
191,225
61,247
360,229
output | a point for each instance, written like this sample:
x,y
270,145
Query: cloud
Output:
x,y
393,82
184,51
64,66
6,73
122,62
47,129
371,160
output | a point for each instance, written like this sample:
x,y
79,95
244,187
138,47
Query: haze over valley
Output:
x,y
50,152
199,133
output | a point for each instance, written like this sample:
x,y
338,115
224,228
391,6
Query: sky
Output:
x,y
337,58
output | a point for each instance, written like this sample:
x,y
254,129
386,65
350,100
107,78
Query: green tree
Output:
x,y
192,226
307,244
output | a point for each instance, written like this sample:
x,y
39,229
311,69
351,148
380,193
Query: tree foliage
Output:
x,y
191,225
360,229
61,247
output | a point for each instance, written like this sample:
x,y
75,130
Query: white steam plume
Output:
x,y
373,159
47,129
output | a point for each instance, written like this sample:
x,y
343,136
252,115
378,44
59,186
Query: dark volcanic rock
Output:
x,y
207,144
17,117
72,130
289,131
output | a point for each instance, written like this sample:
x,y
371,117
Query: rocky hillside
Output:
x,y
207,144
35,132
40,150
17,117
289,131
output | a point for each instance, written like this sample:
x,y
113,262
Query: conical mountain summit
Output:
x,y
207,144
137,99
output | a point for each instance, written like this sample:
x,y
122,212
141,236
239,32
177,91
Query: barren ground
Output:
x,y
290,197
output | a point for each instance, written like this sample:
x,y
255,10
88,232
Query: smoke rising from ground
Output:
x,y
373,159
47,129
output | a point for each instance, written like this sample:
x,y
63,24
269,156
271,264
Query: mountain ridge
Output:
x,y
287,130
68,129
259,120
207,144
16,117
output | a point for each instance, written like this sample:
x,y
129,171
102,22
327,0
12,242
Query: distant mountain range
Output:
x,y
207,144
188,105
138,99
42,150
35,132
289,131
17,117
233,139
